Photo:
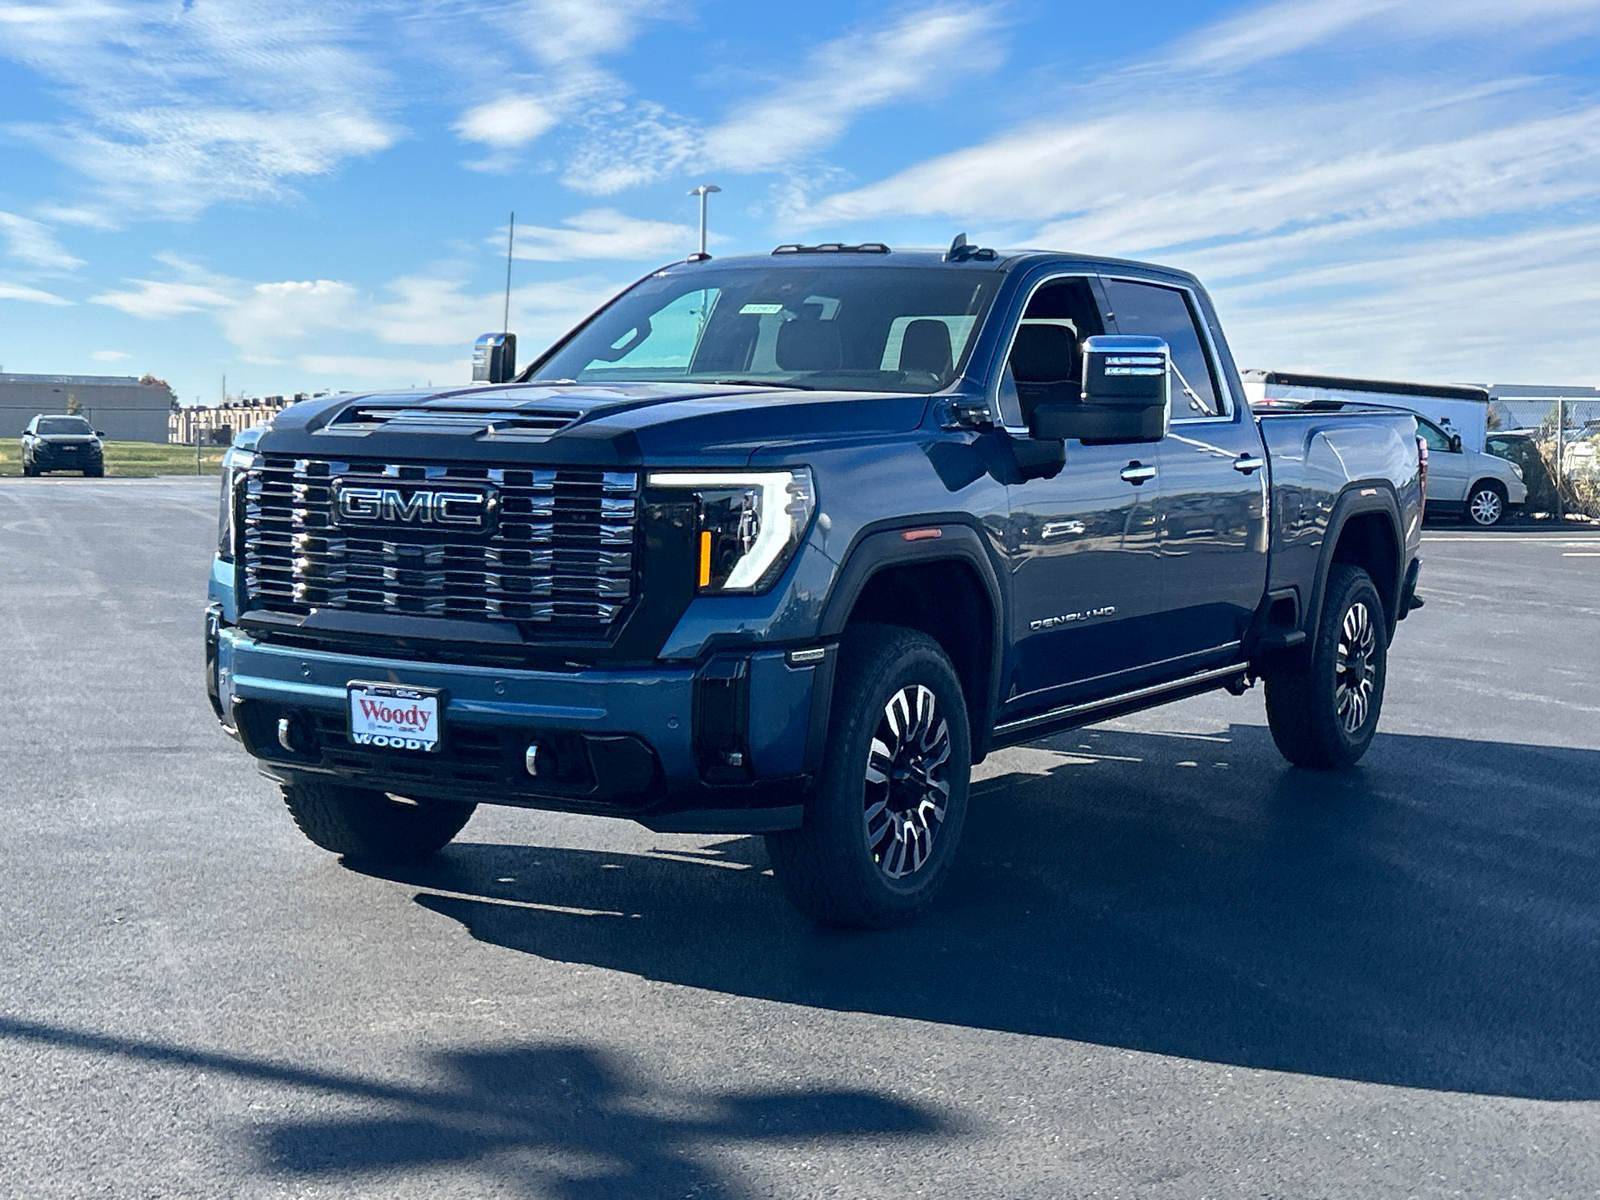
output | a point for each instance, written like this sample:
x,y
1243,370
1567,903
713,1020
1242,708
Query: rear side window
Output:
x,y
1149,310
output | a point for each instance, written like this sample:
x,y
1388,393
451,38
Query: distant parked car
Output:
x,y
61,444
1478,487
1522,448
1581,459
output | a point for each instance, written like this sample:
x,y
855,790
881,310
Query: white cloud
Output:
x,y
1323,209
558,78
271,316
156,298
506,123
604,233
183,106
1276,31
16,291
914,57
35,244
110,356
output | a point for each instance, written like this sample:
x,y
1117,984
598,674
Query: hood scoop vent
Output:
x,y
534,424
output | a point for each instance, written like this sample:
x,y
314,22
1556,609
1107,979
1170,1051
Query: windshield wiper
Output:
x,y
777,383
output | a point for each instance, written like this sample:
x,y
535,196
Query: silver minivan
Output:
x,y
1478,487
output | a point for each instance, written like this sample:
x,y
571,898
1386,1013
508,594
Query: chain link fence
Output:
x,y
1556,442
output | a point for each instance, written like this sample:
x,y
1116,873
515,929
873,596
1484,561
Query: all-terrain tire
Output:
x,y
883,822
363,824
1323,712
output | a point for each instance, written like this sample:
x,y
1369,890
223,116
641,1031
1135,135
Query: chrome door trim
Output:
x,y
992,397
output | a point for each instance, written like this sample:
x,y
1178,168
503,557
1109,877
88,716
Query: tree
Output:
x,y
74,407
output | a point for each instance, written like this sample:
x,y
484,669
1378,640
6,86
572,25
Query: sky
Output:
x,y
311,195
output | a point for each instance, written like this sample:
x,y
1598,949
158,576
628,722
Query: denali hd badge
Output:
x,y
460,506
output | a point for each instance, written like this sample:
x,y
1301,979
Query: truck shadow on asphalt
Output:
x,y
1430,920
550,1120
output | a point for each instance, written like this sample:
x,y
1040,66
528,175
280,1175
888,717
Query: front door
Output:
x,y
1449,473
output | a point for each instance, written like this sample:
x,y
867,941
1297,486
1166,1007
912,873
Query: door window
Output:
x,y
1148,310
1046,360
1438,440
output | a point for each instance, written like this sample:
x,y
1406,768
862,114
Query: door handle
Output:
x,y
1136,473
1246,463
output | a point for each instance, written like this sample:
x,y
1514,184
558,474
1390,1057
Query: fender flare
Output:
x,y
880,547
1357,499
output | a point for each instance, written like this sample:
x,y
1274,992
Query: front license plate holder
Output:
x,y
388,716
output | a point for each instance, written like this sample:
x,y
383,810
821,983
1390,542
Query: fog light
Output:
x,y
530,760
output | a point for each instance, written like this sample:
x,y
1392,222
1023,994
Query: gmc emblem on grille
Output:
x,y
455,506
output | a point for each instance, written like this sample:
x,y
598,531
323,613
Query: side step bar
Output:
x,y
1027,729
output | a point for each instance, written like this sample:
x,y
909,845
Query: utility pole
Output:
x,y
1561,447
704,190
511,236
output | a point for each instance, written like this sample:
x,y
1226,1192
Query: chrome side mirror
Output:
x,y
494,358
1126,398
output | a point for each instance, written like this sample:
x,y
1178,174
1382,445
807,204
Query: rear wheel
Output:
x,y
1324,712
882,826
1486,504
363,824
94,472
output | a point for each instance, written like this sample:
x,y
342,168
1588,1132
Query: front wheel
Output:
x,y
1486,505
1324,712
368,825
882,826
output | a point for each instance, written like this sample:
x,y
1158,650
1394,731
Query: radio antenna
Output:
x,y
511,237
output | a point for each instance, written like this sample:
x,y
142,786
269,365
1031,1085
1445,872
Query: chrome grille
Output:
x,y
562,555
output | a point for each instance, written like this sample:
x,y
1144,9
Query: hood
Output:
x,y
619,424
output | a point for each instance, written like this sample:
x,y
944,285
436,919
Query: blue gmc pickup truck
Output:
x,y
784,545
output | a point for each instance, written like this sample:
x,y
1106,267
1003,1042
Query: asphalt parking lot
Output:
x,y
1166,966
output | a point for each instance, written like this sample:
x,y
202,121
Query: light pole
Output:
x,y
704,190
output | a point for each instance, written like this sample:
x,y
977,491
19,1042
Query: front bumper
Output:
x,y
725,746
48,459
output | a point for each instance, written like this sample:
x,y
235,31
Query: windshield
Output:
x,y
873,328
63,425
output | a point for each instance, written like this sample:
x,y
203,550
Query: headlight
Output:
x,y
1518,469
233,462
748,524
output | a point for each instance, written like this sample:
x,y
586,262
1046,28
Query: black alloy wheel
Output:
x,y
1355,667
885,816
1323,709
907,794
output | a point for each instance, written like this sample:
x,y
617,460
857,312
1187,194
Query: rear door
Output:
x,y
1213,500
1085,581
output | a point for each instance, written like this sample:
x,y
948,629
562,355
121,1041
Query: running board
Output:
x,y
1027,729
